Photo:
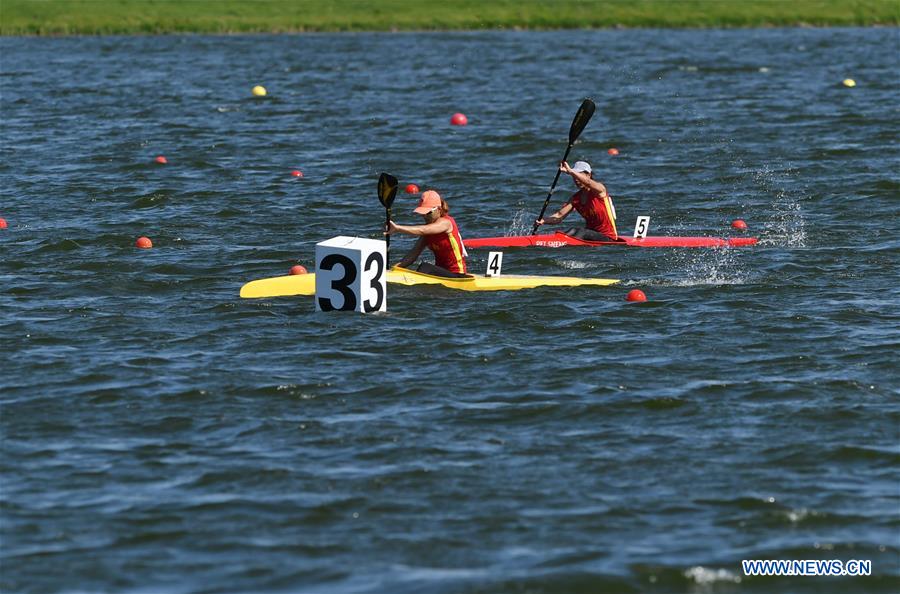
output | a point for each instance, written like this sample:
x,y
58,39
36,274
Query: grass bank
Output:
x,y
102,17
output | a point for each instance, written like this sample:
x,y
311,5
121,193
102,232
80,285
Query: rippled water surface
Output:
x,y
159,434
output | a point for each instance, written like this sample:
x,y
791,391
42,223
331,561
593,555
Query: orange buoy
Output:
x,y
613,151
161,160
412,189
739,224
459,119
636,295
3,224
296,173
298,269
143,243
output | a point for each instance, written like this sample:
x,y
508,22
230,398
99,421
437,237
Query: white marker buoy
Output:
x,y
351,275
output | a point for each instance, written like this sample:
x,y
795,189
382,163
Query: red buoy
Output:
x,y
459,119
3,224
298,269
143,243
412,189
296,173
613,151
636,295
161,160
739,224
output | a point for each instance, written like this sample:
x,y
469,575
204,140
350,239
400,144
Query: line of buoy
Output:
x,y
457,119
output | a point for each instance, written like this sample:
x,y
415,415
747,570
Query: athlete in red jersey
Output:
x,y
592,202
439,233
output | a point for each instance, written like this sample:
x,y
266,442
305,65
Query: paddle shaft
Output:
x,y
387,238
550,193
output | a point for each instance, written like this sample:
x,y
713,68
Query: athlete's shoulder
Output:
x,y
447,223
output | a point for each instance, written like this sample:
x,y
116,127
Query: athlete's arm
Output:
x,y
558,216
584,179
587,180
413,254
439,226
599,188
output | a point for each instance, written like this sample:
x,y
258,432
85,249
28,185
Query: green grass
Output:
x,y
99,17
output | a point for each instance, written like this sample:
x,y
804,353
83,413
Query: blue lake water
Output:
x,y
159,434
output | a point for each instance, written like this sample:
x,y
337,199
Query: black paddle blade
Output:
x,y
582,117
387,189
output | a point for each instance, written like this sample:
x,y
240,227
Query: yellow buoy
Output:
x,y
259,91
849,82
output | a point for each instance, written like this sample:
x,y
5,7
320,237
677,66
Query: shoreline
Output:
x,y
428,31
59,18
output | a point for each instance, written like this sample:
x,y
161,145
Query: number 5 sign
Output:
x,y
641,227
350,275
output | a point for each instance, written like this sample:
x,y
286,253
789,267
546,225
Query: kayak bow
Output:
x,y
557,239
305,284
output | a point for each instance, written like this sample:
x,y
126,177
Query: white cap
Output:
x,y
581,167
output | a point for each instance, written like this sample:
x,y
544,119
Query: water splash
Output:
x,y
573,264
717,266
787,227
520,225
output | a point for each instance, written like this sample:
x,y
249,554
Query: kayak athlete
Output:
x,y
592,202
440,233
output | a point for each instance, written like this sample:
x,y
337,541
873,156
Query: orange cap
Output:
x,y
428,202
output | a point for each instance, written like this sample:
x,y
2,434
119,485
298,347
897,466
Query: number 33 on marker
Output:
x,y
350,275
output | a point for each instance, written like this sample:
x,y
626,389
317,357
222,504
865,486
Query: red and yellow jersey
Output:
x,y
599,213
448,248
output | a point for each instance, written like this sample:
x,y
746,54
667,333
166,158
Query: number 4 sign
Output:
x,y
350,275
495,262
641,227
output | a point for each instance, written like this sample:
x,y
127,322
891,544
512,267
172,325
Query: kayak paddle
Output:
x,y
582,117
387,191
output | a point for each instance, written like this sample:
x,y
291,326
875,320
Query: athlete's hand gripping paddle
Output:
x,y
387,191
582,117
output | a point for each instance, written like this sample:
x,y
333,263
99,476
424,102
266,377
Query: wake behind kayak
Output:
x,y
558,240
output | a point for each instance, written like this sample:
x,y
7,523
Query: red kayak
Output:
x,y
556,240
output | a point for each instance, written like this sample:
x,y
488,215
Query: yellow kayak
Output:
x,y
305,284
